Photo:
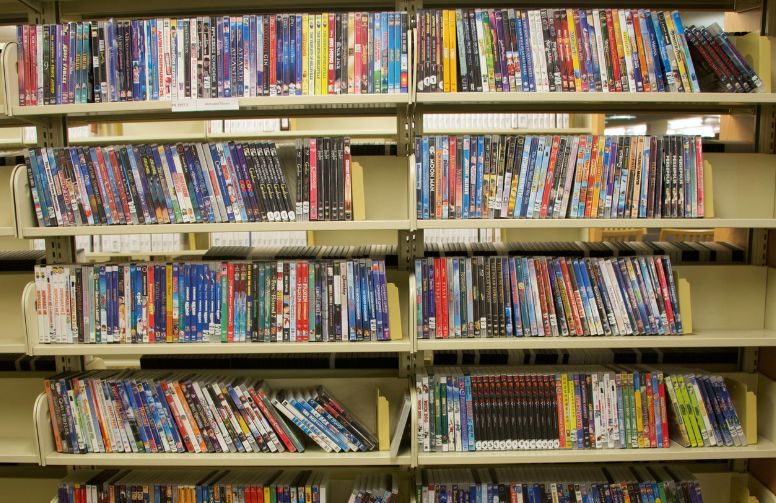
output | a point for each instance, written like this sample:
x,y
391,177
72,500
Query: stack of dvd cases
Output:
x,y
270,301
464,177
639,484
99,412
545,297
553,50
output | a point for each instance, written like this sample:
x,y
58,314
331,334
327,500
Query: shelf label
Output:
x,y
184,106
205,104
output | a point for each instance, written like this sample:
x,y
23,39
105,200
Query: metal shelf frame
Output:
x,y
52,121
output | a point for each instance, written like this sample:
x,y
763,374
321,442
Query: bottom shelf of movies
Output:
x,y
647,482
263,485
223,419
487,415
644,482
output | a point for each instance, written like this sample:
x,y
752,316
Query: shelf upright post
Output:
x,y
765,143
406,117
765,137
410,248
405,126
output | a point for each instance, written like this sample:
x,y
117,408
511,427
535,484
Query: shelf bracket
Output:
x,y
749,359
69,363
405,122
60,250
410,248
53,133
758,247
410,6
766,129
739,465
406,365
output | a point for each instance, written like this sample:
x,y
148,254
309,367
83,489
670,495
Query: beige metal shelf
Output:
x,y
586,223
594,102
18,450
365,225
742,196
312,133
7,231
99,256
730,308
383,206
508,131
730,305
385,103
763,449
398,307
357,395
740,193
204,136
218,348
12,348
247,107
700,339
310,457
155,137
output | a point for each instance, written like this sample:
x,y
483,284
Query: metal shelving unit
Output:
x,y
731,305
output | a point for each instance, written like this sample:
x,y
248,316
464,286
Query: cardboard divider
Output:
x,y
381,423
725,487
357,191
757,50
708,190
744,390
394,312
766,407
724,297
741,186
685,304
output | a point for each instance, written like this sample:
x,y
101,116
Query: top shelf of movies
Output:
x,y
567,59
398,93
251,75
361,104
